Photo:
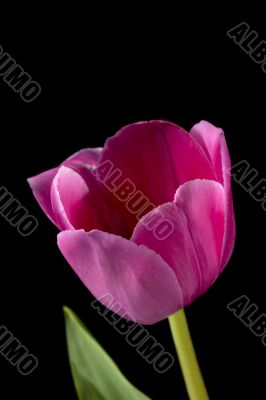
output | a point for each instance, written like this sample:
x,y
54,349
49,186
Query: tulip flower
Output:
x,y
148,218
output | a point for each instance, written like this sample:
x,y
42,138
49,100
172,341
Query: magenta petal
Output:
x,y
68,196
193,249
41,183
78,203
210,138
41,187
89,156
135,276
159,151
213,142
83,161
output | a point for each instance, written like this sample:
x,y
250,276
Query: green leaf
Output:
x,y
95,374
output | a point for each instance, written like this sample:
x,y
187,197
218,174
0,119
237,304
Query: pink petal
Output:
x,y
41,183
41,187
193,249
155,152
68,196
133,275
89,156
83,161
213,142
80,204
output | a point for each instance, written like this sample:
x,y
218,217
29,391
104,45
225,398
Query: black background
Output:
x,y
98,72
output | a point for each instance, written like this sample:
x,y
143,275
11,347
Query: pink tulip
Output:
x,y
155,258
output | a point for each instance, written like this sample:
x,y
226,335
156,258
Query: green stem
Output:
x,y
188,361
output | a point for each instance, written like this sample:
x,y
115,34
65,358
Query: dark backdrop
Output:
x,y
98,72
